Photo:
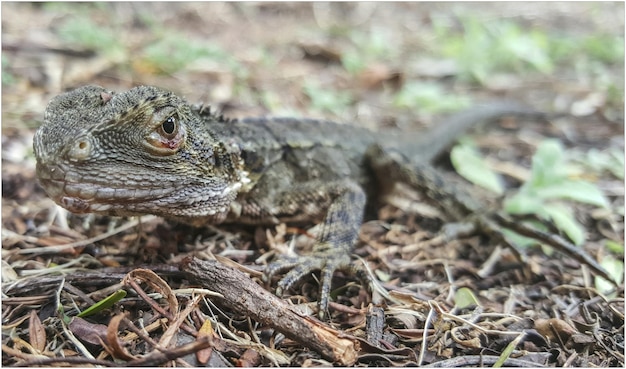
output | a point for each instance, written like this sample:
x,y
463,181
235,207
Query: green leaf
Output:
x,y
523,202
611,159
352,62
547,164
485,48
464,298
565,221
615,247
606,48
580,191
518,240
65,317
617,162
470,165
531,48
616,269
508,350
327,100
7,77
103,304
430,97
174,52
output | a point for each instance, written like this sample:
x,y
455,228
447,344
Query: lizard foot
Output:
x,y
327,261
345,202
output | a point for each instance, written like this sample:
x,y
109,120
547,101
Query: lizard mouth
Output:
x,y
81,195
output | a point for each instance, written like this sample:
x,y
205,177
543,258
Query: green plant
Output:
x,y
429,98
366,48
327,100
485,48
469,164
174,52
84,32
608,49
7,77
550,182
615,268
542,195
610,160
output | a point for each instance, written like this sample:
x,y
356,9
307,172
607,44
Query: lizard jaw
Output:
x,y
94,195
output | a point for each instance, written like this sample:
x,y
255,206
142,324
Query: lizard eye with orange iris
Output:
x,y
169,128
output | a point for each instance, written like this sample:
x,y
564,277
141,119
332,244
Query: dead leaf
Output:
x,y
115,347
36,332
462,338
550,328
579,339
249,359
408,320
88,332
179,318
375,75
156,283
206,330
321,52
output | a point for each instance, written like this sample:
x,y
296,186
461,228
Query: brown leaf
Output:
x,y
321,52
68,353
550,328
249,359
465,338
375,75
115,348
579,338
206,330
109,262
156,283
54,241
88,332
36,332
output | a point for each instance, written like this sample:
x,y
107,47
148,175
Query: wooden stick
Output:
x,y
241,294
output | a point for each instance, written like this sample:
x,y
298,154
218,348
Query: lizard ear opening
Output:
x,y
80,150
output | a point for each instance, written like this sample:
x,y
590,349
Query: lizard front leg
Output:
x,y
344,202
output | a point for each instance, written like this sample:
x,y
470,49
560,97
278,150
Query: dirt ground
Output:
x,y
386,66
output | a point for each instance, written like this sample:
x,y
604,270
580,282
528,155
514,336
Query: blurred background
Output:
x,y
379,63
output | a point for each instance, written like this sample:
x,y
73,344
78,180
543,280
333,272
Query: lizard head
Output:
x,y
144,151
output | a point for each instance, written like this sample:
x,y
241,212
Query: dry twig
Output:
x,y
243,295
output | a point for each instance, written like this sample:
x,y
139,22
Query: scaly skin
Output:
x,y
147,151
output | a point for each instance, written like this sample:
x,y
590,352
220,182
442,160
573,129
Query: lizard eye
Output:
x,y
169,128
168,136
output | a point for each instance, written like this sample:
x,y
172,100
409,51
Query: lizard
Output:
x,y
148,151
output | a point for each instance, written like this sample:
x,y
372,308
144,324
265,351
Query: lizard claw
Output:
x,y
327,262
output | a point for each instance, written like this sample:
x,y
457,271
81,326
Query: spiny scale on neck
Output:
x,y
205,112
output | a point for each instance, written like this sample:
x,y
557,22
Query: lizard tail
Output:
x,y
440,137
